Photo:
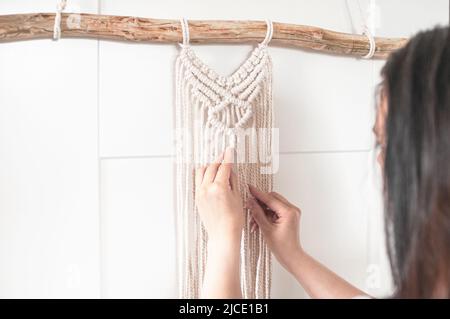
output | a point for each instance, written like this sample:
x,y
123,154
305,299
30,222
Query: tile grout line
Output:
x,y
369,225
366,150
104,158
99,177
125,157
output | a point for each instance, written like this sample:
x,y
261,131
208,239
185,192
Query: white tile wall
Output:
x,y
49,217
30,6
136,99
415,16
138,229
331,190
86,183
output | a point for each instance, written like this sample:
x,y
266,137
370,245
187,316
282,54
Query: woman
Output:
x,y
413,131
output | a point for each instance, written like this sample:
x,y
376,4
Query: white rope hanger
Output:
x,y
372,43
365,29
185,32
60,6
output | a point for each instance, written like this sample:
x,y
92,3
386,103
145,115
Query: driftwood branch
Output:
x,y
40,25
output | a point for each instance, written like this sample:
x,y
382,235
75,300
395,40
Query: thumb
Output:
x,y
258,214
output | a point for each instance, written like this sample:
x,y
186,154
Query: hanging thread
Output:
x,y
57,26
364,28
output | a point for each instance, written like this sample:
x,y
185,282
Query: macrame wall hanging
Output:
x,y
213,112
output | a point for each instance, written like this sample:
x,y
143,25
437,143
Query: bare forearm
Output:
x,y
319,281
222,273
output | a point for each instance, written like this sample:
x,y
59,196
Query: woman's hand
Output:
x,y
218,200
279,221
220,207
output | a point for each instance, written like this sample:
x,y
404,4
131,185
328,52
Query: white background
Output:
x,y
86,174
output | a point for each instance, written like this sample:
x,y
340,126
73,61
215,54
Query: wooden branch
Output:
x,y
40,25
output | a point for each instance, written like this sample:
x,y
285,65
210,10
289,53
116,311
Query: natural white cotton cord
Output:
x,y
269,33
372,43
212,111
57,26
184,31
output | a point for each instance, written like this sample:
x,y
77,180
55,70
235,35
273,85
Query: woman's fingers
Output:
x,y
199,173
253,225
211,170
269,200
258,214
224,170
281,197
234,182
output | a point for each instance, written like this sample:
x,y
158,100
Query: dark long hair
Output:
x,y
417,165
